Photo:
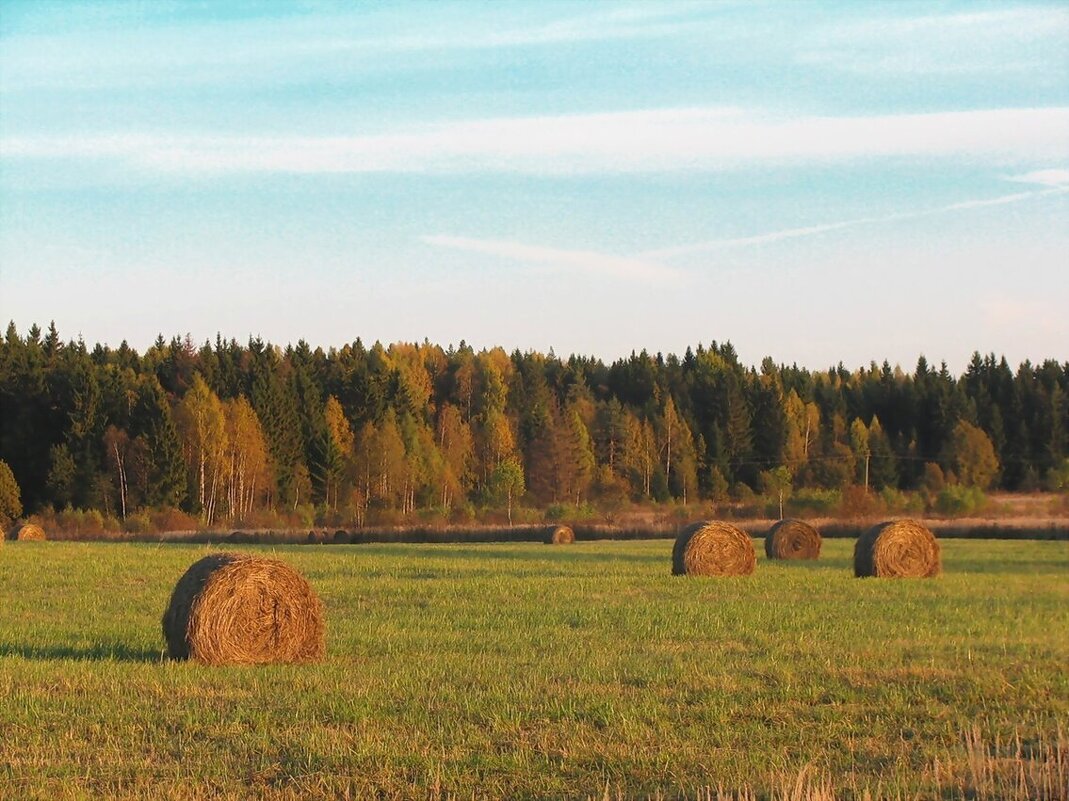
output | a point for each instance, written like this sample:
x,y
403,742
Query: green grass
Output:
x,y
529,671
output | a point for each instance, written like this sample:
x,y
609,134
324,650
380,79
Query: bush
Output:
x,y
901,502
956,500
741,492
556,512
814,502
718,486
462,513
138,523
385,517
433,516
933,480
1058,477
10,496
858,502
169,519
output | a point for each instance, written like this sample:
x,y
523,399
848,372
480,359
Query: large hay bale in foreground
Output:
x,y
241,609
561,535
713,549
898,548
27,532
792,539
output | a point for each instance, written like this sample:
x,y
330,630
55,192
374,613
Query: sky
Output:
x,y
819,182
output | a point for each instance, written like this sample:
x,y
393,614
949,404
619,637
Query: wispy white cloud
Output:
x,y
706,138
139,49
588,261
993,40
812,230
1050,177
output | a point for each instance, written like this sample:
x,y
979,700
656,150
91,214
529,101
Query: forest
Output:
x,y
235,434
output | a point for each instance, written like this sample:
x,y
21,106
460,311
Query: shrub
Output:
x,y
10,496
814,502
858,502
138,523
462,513
901,502
741,492
718,486
933,479
956,500
170,519
433,516
524,515
304,516
1058,477
556,512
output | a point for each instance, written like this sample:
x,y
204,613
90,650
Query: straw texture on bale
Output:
x,y
561,535
713,549
240,609
899,548
28,532
792,539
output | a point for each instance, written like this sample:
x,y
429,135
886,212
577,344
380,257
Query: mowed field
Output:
x,y
533,671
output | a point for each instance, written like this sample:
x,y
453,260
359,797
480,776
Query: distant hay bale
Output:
x,y
792,539
317,537
561,535
899,548
27,532
713,549
241,609
341,536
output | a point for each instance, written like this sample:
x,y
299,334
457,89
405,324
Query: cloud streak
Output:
x,y
656,140
772,237
1051,177
140,49
587,261
990,41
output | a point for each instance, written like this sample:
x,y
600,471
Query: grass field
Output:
x,y
530,671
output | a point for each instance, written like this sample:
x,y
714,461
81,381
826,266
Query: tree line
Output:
x,y
225,431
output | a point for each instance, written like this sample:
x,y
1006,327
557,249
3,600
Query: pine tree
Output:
x,y
10,497
164,482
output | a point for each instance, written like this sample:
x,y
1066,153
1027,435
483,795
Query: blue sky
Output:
x,y
813,181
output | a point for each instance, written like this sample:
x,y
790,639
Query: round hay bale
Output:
x,y
28,532
317,537
241,609
341,536
561,535
714,548
792,539
898,548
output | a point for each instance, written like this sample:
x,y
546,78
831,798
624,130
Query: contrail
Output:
x,y
795,233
